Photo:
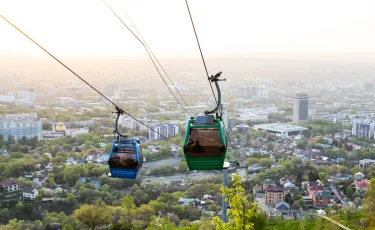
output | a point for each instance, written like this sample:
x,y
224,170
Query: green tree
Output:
x,y
243,214
44,160
22,140
145,214
67,147
128,202
369,204
4,216
67,227
182,166
322,176
24,149
270,147
160,223
72,173
93,216
15,224
349,191
16,155
11,140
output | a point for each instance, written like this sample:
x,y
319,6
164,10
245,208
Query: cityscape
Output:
x,y
269,133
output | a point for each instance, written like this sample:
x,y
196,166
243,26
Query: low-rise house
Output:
x,y
365,163
3,151
341,176
305,185
280,206
30,193
208,196
257,189
283,180
11,185
340,160
48,168
71,161
314,188
82,180
102,145
267,183
57,190
274,194
103,158
361,186
289,185
186,202
174,149
359,176
276,164
89,158
255,168
97,183
321,197
38,182
154,149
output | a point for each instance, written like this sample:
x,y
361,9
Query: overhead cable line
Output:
x,y
204,63
117,107
144,41
143,44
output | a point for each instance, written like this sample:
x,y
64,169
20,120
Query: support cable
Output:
x,y
117,107
144,41
204,63
144,46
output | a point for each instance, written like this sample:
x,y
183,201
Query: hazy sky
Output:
x,y
225,28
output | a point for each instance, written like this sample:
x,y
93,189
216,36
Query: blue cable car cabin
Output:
x,y
125,159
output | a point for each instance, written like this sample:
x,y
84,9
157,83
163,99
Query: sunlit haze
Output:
x,y
225,28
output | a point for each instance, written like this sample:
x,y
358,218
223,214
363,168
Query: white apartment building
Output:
x,y
363,128
163,131
19,125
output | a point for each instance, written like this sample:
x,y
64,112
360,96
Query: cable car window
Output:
x,y
204,142
124,158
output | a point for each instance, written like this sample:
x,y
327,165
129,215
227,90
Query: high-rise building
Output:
x,y
363,128
301,108
25,97
231,123
163,131
20,125
129,123
252,92
247,92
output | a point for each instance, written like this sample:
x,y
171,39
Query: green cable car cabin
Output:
x,y
204,143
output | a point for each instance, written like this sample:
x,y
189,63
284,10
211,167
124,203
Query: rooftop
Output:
x,y
9,183
275,189
280,127
28,190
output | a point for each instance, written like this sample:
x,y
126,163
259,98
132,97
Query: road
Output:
x,y
178,177
337,194
155,164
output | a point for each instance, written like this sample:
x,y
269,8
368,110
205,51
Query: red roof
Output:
x,y
8,183
363,184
